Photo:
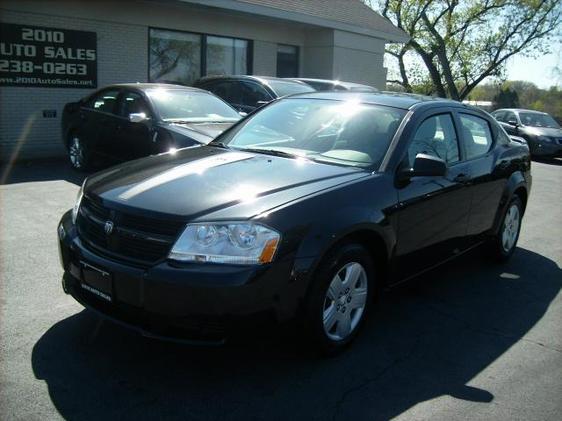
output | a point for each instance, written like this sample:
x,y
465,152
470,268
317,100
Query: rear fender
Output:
x,y
516,180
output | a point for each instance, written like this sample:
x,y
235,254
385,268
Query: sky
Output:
x,y
544,71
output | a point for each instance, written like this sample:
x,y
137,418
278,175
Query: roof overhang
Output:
x,y
271,12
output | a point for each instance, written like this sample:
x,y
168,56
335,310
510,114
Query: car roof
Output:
x,y
519,110
331,82
262,79
148,86
390,99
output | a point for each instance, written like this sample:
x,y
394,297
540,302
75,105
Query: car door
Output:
x,y
134,139
98,121
432,211
487,169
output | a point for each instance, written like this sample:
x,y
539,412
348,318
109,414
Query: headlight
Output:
x,y
544,139
76,207
228,242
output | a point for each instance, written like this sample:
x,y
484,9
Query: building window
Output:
x,y
184,57
226,56
174,56
287,61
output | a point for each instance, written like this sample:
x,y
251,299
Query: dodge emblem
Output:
x,y
108,227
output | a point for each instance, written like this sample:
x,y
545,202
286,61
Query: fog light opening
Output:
x,y
62,232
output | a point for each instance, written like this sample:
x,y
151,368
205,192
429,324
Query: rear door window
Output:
x,y
476,134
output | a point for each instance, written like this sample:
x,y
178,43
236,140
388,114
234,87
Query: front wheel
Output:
x,y
503,244
78,154
339,298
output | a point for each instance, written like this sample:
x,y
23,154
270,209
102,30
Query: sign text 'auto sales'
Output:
x,y
47,57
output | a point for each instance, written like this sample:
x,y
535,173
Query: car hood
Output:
x,y
542,131
202,132
209,181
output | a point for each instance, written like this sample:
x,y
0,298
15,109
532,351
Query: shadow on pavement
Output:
x,y
426,340
550,161
40,170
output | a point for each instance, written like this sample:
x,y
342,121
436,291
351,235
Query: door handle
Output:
x,y
462,178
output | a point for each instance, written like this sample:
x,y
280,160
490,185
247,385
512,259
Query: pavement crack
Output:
x,y
374,378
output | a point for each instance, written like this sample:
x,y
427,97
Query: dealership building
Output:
x,y
57,51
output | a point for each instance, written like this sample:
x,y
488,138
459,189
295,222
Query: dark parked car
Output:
x,y
335,85
306,208
247,93
128,121
542,133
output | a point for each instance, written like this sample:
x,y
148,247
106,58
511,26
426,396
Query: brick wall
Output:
x,y
122,57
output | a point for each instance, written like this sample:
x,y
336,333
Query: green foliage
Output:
x,y
528,95
456,44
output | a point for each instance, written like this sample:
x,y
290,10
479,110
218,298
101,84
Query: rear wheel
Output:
x,y
78,153
339,298
504,243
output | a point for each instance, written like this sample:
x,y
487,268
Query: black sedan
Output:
x,y
540,130
248,93
307,209
128,121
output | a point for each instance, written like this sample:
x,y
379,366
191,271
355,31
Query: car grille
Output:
x,y
136,239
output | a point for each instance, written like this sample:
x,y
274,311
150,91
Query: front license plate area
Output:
x,y
97,281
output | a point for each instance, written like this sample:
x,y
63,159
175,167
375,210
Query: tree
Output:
x,y
456,44
506,98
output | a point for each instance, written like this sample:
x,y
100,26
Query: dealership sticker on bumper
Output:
x,y
95,291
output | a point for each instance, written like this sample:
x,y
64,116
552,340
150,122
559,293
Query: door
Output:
x,y
134,139
99,121
433,211
287,61
488,177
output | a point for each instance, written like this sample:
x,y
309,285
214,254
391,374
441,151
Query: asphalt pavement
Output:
x,y
471,340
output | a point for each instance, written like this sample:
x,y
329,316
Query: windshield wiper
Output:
x,y
273,152
219,145
198,121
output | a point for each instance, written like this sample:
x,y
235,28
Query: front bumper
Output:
x,y
547,149
182,302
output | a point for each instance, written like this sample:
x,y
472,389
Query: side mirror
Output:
x,y
425,166
137,117
518,139
512,122
243,113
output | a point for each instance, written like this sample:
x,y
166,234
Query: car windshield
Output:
x,y
538,120
191,106
346,133
283,88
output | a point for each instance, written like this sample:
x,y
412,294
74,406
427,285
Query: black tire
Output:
x,y
80,160
314,310
497,246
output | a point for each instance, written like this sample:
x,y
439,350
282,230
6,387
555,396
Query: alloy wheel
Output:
x,y
510,227
345,301
76,153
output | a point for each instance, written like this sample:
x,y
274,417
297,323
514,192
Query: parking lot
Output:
x,y
471,340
